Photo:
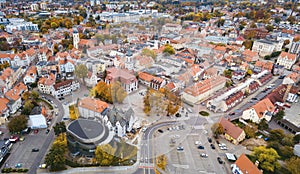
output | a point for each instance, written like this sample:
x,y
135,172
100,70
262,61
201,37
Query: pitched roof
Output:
x,y
15,93
114,74
3,104
205,85
93,104
230,129
246,166
290,56
262,106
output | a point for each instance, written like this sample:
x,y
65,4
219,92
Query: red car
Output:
x,y
13,138
36,131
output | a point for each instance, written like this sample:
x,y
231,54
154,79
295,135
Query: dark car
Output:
x,y
209,140
160,131
212,146
47,131
231,113
282,77
35,150
220,160
254,98
200,147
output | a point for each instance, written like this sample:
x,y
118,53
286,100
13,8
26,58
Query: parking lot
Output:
x,y
21,151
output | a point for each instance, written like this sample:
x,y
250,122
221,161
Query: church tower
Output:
x,y
75,38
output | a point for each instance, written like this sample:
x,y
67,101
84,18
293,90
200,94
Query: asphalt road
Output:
x,y
50,138
147,157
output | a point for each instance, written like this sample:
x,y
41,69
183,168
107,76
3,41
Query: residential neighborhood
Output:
x,y
162,86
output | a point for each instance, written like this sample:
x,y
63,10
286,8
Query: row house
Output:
x,y
15,97
127,80
287,60
203,89
234,99
253,86
238,75
64,88
232,133
265,79
46,84
264,109
30,76
151,81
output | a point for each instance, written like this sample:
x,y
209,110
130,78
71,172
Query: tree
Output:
x,y
35,95
276,135
161,162
288,140
285,152
293,165
277,19
279,115
248,44
250,132
263,124
59,128
171,109
227,73
17,123
56,156
148,52
104,154
267,158
296,139
217,129
28,106
117,92
147,106
169,49
228,83
81,71
270,28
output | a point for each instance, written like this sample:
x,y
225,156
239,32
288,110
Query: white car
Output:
x,y
144,129
197,142
204,155
223,148
222,144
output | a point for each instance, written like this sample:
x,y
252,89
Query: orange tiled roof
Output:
x,y
119,74
93,104
290,56
7,73
293,76
3,104
246,166
31,71
15,93
262,106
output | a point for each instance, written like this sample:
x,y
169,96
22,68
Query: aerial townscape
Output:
x,y
150,86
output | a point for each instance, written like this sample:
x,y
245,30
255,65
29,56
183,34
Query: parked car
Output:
x,y
36,131
220,160
180,148
209,140
35,150
200,147
197,142
160,131
204,155
47,131
231,113
212,146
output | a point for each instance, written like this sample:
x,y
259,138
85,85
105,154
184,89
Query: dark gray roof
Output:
x,y
86,129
